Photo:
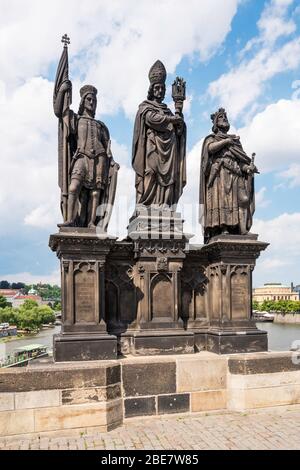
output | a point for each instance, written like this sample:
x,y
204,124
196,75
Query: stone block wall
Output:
x,y
177,384
34,400
263,380
101,394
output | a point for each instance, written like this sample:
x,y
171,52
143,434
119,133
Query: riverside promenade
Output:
x,y
261,430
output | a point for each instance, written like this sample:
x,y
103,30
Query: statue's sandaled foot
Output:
x,y
66,224
91,225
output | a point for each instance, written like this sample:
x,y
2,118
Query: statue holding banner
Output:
x,y
87,170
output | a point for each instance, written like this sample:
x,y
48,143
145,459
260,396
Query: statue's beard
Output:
x,y
224,127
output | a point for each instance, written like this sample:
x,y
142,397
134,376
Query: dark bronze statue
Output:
x,y
159,144
226,182
87,170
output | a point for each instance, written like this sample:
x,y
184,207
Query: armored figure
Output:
x,y
226,182
87,170
159,146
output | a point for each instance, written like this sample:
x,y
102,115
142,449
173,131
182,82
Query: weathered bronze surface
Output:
x,y
226,182
153,293
87,170
159,144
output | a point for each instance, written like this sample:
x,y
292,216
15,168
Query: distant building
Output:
x,y
297,289
9,294
19,300
274,291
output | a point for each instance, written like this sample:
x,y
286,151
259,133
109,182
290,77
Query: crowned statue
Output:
x,y
159,144
227,201
87,170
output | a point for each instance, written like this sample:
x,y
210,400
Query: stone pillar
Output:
x,y
159,251
230,262
84,336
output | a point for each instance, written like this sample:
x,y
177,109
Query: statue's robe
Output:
x,y
158,156
226,189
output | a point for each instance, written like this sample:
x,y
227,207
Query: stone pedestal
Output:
x,y
230,260
151,296
159,245
151,223
84,336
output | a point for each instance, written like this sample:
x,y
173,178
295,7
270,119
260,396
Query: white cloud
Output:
x,y
113,44
272,24
239,88
280,261
28,155
260,198
28,278
29,190
292,175
274,134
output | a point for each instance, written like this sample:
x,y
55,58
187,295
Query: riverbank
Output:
x,y
290,318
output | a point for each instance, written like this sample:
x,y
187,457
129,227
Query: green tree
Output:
x,y
29,320
3,302
9,315
57,306
45,314
29,304
18,285
4,285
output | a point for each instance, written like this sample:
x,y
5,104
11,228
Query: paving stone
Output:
x,y
262,430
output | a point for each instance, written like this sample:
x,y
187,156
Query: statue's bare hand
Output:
x,y
177,120
66,86
115,165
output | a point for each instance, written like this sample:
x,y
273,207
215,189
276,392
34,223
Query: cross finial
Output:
x,y
65,40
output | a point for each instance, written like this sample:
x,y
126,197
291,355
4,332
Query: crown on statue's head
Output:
x,y
87,89
214,116
157,73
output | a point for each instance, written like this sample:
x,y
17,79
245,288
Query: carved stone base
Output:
x,y
151,223
200,340
230,263
231,342
89,347
155,296
82,255
162,342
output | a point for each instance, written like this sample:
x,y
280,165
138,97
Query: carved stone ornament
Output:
x,y
162,264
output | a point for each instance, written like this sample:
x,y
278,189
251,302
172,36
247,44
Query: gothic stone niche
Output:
x,y
161,297
240,293
85,293
120,294
193,288
215,292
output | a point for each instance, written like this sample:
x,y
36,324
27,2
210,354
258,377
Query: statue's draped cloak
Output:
x,y
158,156
225,187
109,174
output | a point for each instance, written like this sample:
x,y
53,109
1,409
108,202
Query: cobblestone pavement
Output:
x,y
260,430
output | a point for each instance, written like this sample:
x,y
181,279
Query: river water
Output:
x,y
44,337
281,337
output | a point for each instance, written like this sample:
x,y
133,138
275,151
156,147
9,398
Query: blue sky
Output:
x,y
240,54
